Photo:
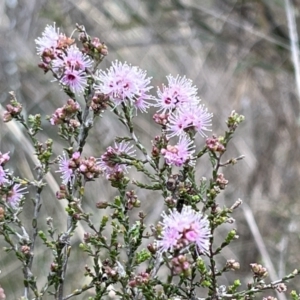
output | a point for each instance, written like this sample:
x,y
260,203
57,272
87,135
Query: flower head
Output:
x,y
76,80
49,39
178,92
14,196
185,228
52,42
123,82
181,153
65,169
110,161
192,117
72,58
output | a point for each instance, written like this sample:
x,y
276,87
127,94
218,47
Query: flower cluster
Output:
x,y
124,83
92,46
69,65
99,103
51,45
112,161
71,68
180,264
140,279
182,229
221,181
258,270
89,167
12,110
65,114
180,100
132,200
214,144
179,108
193,118
178,93
181,153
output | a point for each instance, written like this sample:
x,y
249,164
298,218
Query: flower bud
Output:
x,y
259,270
221,181
25,249
53,267
232,265
152,248
281,287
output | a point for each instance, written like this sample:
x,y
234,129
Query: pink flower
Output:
x,y
178,92
110,161
141,102
185,228
2,176
196,118
73,58
65,169
49,39
123,82
181,153
15,195
76,80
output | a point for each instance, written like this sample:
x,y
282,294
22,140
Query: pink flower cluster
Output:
x,y
181,111
180,100
10,192
214,145
12,110
68,64
139,280
89,168
124,83
181,153
182,116
178,93
183,229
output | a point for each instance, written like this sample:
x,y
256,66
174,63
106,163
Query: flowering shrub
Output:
x,y
172,259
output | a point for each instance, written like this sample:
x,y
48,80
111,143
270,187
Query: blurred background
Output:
x,y
236,52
